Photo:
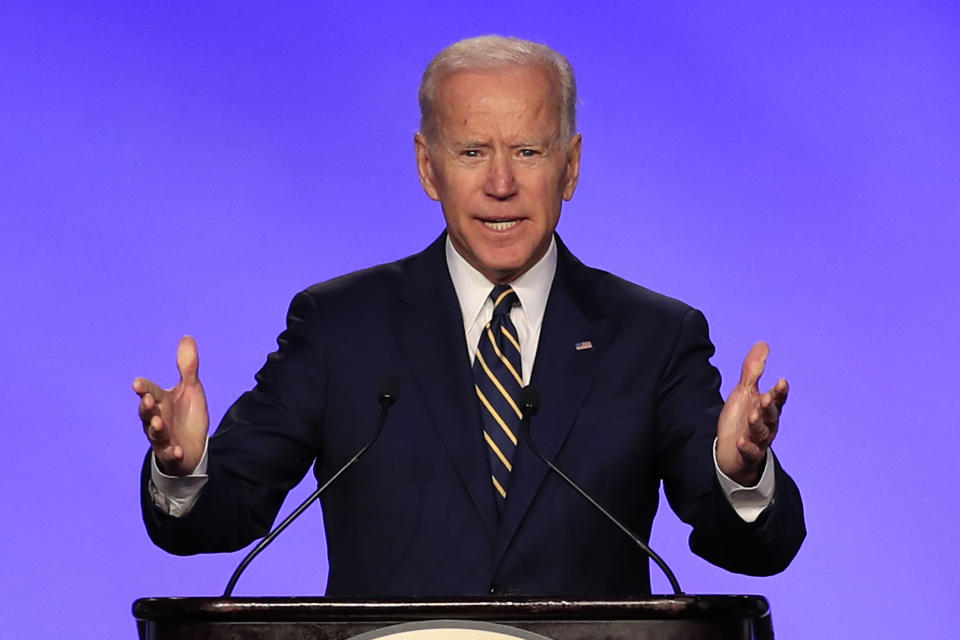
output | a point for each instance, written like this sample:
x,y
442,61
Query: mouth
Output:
x,y
500,225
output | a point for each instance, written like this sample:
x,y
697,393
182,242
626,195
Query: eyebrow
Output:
x,y
475,144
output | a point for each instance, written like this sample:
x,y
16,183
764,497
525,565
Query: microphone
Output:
x,y
529,405
386,396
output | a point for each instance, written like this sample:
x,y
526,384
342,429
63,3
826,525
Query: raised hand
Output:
x,y
749,420
176,419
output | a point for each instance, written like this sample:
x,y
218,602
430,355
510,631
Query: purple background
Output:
x,y
790,170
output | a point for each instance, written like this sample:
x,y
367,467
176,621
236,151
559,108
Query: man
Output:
x,y
448,501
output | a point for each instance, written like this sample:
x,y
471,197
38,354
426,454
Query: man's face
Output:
x,y
499,167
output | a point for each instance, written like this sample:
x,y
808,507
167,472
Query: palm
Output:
x,y
176,419
749,420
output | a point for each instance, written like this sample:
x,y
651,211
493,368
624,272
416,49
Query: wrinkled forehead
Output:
x,y
510,98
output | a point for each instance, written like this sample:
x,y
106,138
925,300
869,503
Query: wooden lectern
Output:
x,y
667,617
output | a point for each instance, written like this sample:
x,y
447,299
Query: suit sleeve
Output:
x,y
688,409
262,448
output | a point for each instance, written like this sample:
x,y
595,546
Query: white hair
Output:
x,y
493,52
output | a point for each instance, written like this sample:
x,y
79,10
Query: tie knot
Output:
x,y
504,297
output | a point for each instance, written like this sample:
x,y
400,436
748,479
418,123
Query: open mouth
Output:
x,y
501,225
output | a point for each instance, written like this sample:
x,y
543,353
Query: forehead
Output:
x,y
504,99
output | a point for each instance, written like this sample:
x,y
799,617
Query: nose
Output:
x,y
501,182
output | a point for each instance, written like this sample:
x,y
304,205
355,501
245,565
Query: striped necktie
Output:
x,y
497,372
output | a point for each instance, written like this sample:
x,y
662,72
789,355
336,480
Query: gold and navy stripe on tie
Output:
x,y
497,372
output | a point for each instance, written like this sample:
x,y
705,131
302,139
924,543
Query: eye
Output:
x,y
470,153
529,153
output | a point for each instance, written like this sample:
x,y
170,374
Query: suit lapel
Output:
x,y
429,330
563,374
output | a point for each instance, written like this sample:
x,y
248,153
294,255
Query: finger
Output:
x,y
148,408
759,430
168,457
188,360
770,409
754,364
750,451
156,431
143,385
780,392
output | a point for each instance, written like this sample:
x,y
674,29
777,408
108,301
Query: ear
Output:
x,y
425,167
572,171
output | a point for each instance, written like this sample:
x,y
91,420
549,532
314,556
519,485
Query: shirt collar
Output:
x,y
533,287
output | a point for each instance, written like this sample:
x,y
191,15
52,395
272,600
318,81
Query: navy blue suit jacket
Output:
x,y
417,516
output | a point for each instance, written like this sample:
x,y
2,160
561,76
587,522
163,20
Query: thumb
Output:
x,y
188,360
754,364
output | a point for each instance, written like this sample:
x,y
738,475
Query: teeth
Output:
x,y
501,226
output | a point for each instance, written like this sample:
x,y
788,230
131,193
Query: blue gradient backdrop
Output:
x,y
789,168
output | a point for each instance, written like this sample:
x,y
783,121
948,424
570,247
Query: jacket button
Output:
x,y
496,589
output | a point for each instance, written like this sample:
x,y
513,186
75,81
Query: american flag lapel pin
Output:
x,y
583,345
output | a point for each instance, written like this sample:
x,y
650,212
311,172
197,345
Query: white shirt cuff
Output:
x,y
176,495
748,502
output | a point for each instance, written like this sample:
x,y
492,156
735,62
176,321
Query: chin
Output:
x,y
506,273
